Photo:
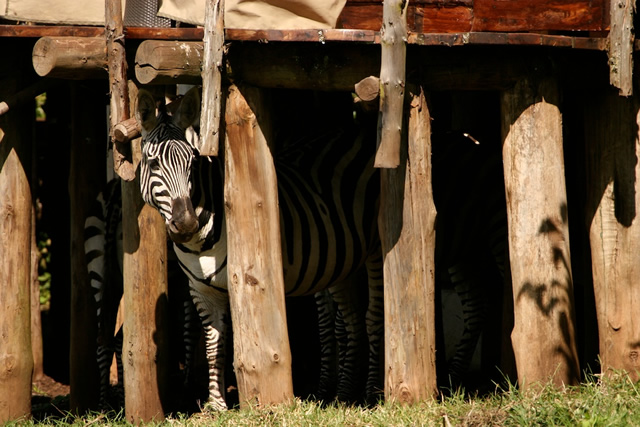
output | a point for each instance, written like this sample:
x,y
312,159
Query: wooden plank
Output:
x,y
393,39
407,232
117,57
621,41
611,131
16,360
262,358
76,58
212,78
543,337
534,15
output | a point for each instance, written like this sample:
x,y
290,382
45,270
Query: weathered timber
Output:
x,y
303,66
407,230
86,178
621,41
212,78
262,357
117,61
543,337
368,89
393,47
611,129
127,130
16,360
168,62
75,58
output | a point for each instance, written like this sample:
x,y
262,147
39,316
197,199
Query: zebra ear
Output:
x,y
188,112
146,110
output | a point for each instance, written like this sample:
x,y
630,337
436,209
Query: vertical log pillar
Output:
x,y
86,177
16,360
145,352
611,129
262,357
407,231
544,333
212,77
621,40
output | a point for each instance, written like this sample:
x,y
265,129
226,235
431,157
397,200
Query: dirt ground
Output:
x,y
49,397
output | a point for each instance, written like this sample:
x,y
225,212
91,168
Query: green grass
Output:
x,y
612,401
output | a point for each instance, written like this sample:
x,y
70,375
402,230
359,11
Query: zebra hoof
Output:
x,y
215,405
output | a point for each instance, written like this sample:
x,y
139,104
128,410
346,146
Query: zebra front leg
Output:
x,y
375,327
213,309
327,381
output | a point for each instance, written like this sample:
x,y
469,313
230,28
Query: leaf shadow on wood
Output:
x,y
556,298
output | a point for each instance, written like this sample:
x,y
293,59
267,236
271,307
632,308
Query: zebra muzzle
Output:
x,y
184,222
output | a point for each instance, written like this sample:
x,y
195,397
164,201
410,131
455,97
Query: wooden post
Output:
x,y
611,130
621,40
407,230
212,78
169,62
16,360
117,57
86,178
145,352
544,333
393,39
262,357
70,57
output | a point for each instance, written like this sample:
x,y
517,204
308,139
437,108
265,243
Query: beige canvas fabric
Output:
x,y
260,14
72,12
247,14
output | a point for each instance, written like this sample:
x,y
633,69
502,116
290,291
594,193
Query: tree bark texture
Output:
x,y
16,360
393,44
611,128
407,230
543,337
262,357
621,40
169,62
212,78
117,63
145,346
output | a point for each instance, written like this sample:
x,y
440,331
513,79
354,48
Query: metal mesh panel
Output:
x,y
142,13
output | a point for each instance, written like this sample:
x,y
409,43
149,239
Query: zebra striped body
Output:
x,y
327,191
104,257
471,230
103,254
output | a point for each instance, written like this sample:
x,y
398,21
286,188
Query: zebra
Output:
x,y
328,196
104,255
471,232
103,245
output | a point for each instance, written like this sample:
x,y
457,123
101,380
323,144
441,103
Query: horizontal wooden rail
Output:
x,y
318,36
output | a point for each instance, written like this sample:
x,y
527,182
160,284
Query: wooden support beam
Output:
x,y
613,191
117,60
212,78
169,62
262,357
393,43
407,230
16,360
76,58
543,337
127,130
621,40
145,352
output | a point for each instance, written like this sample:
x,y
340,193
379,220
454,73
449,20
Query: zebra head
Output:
x,y
167,162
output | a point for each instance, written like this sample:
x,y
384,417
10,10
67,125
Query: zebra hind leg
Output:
x,y
375,328
327,381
